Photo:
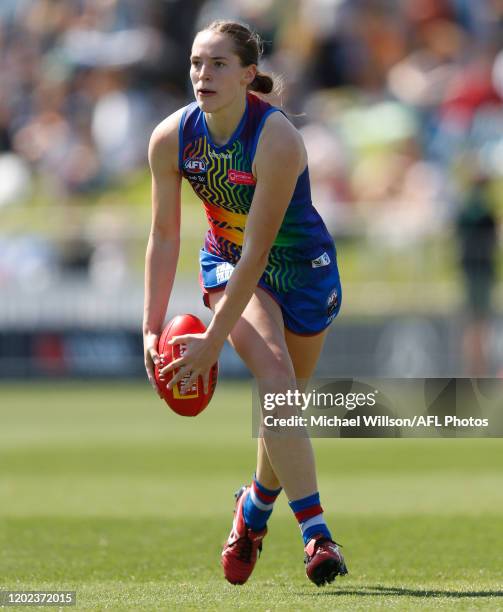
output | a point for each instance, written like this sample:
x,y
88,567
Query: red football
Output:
x,y
186,402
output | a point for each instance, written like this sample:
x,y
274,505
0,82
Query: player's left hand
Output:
x,y
200,354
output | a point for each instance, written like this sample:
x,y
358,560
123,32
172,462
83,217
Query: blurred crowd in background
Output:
x,y
83,82
396,93
399,102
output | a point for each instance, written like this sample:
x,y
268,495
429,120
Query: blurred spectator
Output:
x,y
28,262
477,234
15,179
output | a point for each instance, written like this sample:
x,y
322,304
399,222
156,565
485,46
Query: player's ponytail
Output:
x,y
249,47
262,83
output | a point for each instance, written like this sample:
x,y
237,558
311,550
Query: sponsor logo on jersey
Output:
x,y
224,271
238,177
219,155
322,260
332,302
194,165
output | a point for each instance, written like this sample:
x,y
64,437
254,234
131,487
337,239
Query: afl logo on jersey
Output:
x,y
194,165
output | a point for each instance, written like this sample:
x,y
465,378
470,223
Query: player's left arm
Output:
x,y
279,160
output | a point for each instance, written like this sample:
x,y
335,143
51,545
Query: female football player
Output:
x,y
268,272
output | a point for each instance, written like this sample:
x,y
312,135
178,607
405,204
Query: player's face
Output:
x,y
216,73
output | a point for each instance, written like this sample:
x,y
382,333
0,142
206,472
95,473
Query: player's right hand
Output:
x,y
151,357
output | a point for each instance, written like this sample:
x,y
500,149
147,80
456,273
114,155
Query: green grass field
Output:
x,y
104,491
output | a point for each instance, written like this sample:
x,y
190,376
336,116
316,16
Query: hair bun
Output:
x,y
262,83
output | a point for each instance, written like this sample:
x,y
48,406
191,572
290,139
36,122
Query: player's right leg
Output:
x,y
259,340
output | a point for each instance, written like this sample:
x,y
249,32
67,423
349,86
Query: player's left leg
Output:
x,y
305,352
323,558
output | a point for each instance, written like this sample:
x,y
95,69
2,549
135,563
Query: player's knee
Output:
x,y
265,359
280,371
277,368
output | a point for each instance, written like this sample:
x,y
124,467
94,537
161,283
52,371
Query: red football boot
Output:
x,y
324,560
241,550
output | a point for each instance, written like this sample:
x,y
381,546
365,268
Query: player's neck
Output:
x,y
223,123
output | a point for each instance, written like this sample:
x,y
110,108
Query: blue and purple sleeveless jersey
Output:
x,y
222,178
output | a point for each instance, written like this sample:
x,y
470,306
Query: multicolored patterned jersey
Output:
x,y
222,177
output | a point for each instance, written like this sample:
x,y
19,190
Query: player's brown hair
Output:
x,y
248,47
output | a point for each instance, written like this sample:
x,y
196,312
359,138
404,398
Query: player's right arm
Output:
x,y
164,239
